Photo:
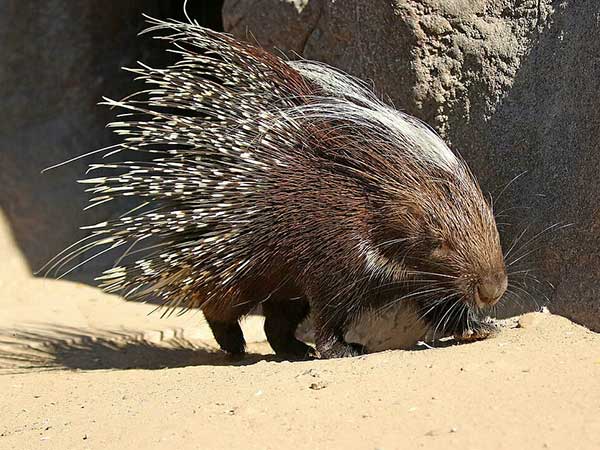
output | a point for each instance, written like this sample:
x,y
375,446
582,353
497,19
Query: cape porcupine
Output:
x,y
290,184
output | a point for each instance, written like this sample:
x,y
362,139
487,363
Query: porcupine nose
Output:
x,y
491,288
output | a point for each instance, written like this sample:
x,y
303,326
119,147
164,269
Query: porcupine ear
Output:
x,y
399,226
398,213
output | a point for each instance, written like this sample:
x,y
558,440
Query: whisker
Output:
x,y
499,196
445,314
519,237
435,304
457,303
411,295
420,272
527,293
555,227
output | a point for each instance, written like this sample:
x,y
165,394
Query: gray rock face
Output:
x,y
513,86
59,58
58,62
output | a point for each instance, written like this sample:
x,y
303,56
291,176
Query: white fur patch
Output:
x,y
379,264
359,104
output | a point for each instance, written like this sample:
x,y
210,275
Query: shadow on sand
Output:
x,y
50,347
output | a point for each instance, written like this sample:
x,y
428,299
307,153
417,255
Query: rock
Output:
x,y
299,17
529,320
513,86
59,59
317,385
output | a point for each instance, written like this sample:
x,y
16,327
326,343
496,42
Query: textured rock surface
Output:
x,y
299,17
514,86
58,60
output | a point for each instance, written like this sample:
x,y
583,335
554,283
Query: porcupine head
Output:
x,y
270,180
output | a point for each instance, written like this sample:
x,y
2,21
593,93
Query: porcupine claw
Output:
x,y
478,330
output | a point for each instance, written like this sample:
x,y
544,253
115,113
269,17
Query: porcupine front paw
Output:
x,y
283,341
478,330
330,328
295,349
340,349
282,317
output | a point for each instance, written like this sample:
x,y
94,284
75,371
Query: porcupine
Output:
x,y
291,185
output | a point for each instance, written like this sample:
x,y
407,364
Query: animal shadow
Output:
x,y
43,348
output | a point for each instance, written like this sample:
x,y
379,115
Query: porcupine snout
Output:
x,y
491,288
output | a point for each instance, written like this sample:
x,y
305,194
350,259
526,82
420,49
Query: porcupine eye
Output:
x,y
441,249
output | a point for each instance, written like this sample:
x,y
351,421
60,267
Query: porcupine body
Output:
x,y
290,185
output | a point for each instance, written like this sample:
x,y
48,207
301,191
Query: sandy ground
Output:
x,y
83,370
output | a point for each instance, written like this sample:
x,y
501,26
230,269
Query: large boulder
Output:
x,y
59,58
513,86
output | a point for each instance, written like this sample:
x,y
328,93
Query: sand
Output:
x,y
83,370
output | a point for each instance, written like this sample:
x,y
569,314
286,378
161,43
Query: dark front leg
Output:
x,y
282,317
330,329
